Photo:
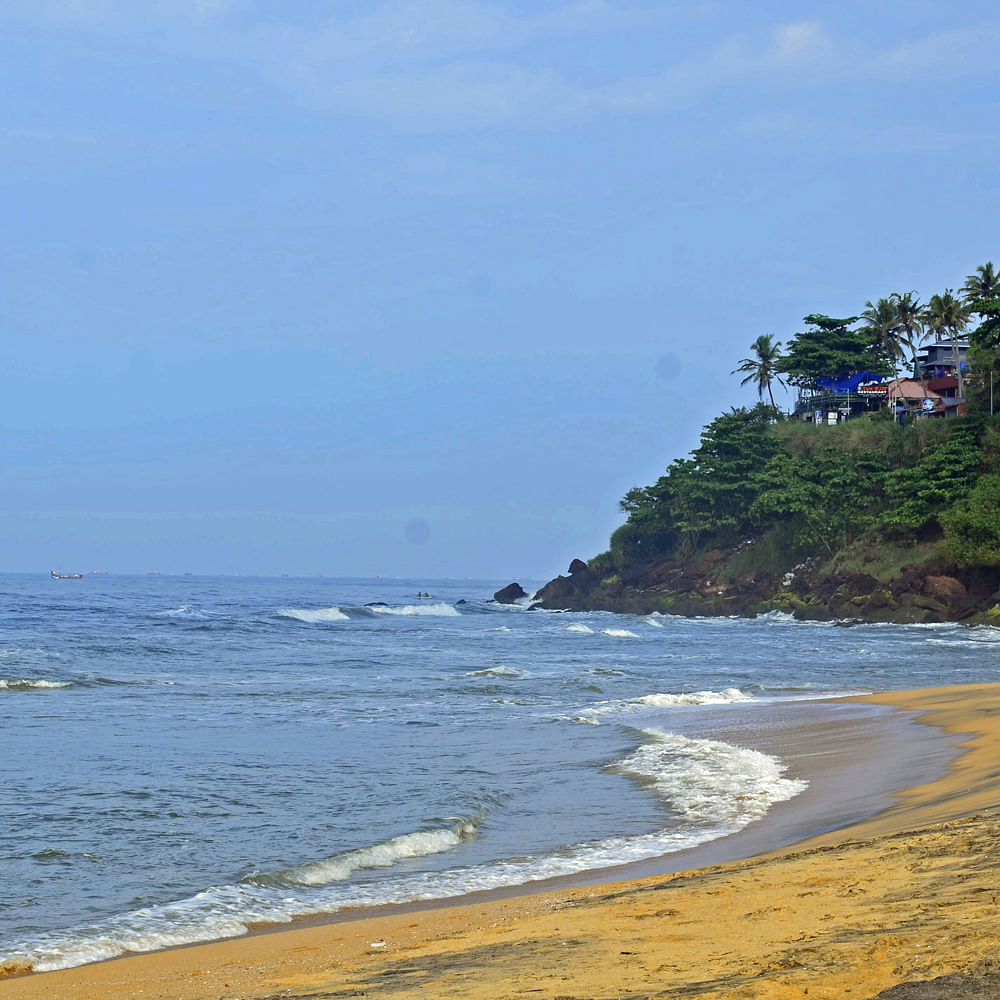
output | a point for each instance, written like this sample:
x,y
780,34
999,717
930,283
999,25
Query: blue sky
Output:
x,y
421,288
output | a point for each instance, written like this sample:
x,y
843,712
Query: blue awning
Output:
x,y
847,383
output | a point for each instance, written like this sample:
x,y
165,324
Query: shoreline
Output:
x,y
330,953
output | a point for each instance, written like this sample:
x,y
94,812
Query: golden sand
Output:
x,y
906,896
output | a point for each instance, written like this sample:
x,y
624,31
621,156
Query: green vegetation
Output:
x,y
771,491
829,347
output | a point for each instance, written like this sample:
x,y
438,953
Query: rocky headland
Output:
x,y
715,584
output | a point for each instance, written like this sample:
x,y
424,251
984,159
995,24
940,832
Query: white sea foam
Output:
x,y
184,611
27,684
440,610
227,911
620,633
710,782
780,617
498,672
409,845
729,696
651,620
964,634
726,697
579,627
314,615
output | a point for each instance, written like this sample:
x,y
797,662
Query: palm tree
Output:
x,y
910,322
882,324
984,285
945,314
762,369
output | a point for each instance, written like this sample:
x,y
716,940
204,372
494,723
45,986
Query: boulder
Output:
x,y
946,589
578,566
510,594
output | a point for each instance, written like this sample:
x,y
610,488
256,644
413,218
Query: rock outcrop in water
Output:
x,y
713,585
510,594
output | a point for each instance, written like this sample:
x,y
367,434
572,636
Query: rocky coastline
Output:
x,y
922,592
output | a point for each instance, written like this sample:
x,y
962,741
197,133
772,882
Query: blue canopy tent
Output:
x,y
842,384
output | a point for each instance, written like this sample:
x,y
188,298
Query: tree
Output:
x,y
982,295
984,285
761,369
972,525
828,348
944,473
828,496
882,325
946,315
706,497
910,320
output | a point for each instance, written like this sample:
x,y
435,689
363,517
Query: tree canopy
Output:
x,y
828,347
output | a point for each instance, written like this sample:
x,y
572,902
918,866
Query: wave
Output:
x,y
228,911
964,635
591,716
420,844
440,610
313,616
620,633
580,627
499,672
184,611
711,782
716,788
27,684
726,697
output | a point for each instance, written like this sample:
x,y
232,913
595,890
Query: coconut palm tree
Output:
x,y
910,321
882,324
762,368
945,314
984,285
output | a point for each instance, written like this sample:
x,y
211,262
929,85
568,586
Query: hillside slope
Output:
x,y
862,521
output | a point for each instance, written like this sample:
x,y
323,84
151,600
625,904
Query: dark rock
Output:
x,y
929,604
510,594
946,589
558,594
578,566
957,986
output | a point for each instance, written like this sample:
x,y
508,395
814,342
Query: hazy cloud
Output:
x,y
441,64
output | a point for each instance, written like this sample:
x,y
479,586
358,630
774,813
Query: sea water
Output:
x,y
185,757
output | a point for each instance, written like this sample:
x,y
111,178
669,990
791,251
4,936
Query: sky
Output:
x,y
421,288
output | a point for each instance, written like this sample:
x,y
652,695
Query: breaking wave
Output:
x,y
27,684
314,615
340,867
592,716
709,782
440,610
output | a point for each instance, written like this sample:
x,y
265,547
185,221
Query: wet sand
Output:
x,y
907,895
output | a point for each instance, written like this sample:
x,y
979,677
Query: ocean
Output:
x,y
187,757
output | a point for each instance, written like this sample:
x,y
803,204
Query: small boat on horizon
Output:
x,y
66,576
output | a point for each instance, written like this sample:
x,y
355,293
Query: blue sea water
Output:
x,y
184,757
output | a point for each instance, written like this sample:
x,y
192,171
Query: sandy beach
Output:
x,y
910,895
